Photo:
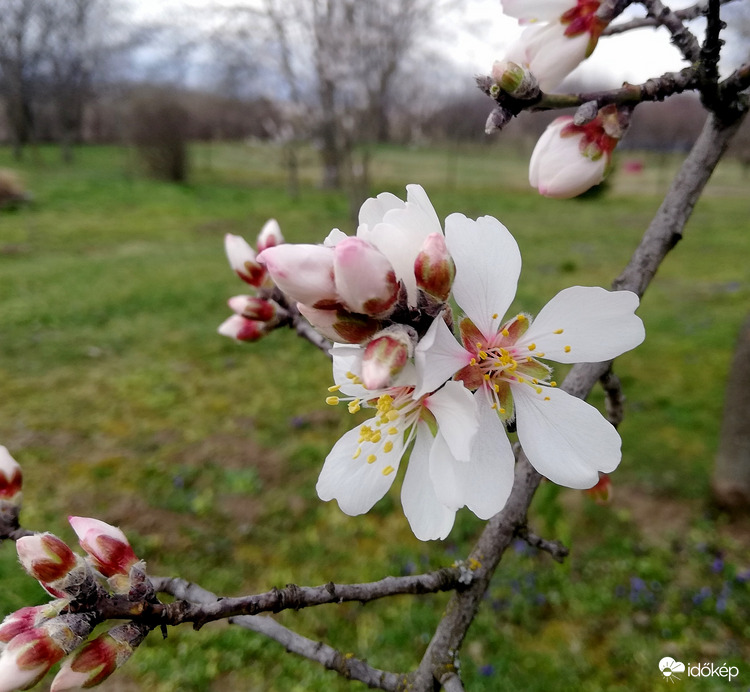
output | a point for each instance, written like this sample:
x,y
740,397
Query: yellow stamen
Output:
x,y
546,398
334,388
354,406
496,387
520,317
332,400
392,415
505,332
558,331
494,317
388,446
371,459
388,470
532,347
473,361
393,431
350,375
502,411
357,453
567,349
487,376
553,384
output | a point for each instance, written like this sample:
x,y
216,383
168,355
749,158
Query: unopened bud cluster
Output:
x,y
379,289
33,639
255,314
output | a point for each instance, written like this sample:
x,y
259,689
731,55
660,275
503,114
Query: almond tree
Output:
x,y
450,385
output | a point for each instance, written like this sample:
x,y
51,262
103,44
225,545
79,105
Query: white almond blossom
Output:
x,y
564,438
449,466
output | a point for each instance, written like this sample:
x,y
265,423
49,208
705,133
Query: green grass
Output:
x,y
122,402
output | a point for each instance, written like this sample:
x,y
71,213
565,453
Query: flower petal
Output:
x,y
488,264
586,324
490,473
374,209
428,518
536,10
565,439
455,410
354,483
438,356
482,484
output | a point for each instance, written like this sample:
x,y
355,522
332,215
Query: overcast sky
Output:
x,y
479,33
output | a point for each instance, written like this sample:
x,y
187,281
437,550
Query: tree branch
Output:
x,y
615,399
345,664
556,549
645,22
291,597
682,37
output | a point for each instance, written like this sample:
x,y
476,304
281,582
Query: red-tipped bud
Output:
x,y
106,545
27,658
242,329
339,325
385,356
254,308
303,272
98,659
434,268
364,278
601,493
11,478
45,557
242,260
270,235
26,619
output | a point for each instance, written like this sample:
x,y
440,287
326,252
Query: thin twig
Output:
x,y
685,15
291,597
556,549
332,659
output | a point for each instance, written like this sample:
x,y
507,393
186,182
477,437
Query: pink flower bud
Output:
x,y
364,278
270,235
242,260
106,545
11,477
99,658
303,272
45,557
385,356
25,619
27,658
569,159
340,325
434,268
254,308
242,329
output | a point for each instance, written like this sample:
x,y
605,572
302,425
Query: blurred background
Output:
x,y
134,136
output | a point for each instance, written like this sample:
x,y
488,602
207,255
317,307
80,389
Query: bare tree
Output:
x,y
24,30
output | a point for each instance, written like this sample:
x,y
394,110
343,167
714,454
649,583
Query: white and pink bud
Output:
x,y
11,478
96,660
46,558
562,35
242,329
364,278
386,355
569,159
514,79
27,618
303,272
243,260
269,236
339,325
106,545
434,268
254,308
30,654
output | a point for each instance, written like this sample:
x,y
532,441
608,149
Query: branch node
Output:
x,y
555,548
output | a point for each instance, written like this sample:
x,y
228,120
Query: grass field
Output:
x,y
121,401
